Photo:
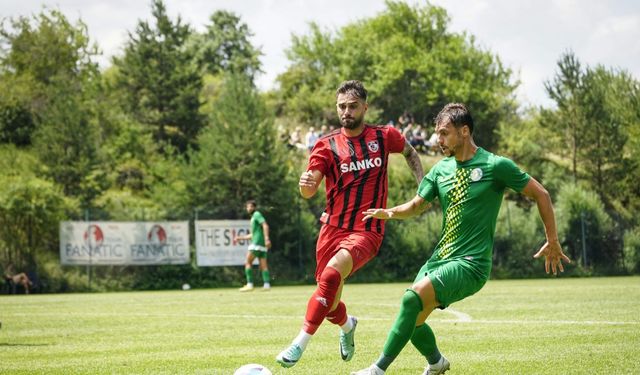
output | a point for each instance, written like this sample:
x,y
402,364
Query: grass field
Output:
x,y
552,326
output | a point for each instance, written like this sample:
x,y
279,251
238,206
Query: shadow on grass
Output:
x,y
10,344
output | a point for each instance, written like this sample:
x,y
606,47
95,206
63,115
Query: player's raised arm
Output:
x,y
551,250
309,182
413,161
414,207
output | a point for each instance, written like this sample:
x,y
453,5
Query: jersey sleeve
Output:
x,y
396,140
319,158
428,189
259,218
510,175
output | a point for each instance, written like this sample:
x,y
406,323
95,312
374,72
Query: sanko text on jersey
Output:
x,y
360,165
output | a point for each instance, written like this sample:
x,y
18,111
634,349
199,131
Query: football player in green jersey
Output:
x,y
258,248
469,183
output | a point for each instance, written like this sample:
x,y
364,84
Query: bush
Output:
x,y
586,231
519,235
631,250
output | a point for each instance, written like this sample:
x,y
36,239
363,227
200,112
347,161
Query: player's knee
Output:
x,y
330,280
411,301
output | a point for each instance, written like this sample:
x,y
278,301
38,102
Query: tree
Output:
x,y
67,144
225,46
604,135
30,209
408,60
240,158
239,155
565,91
159,82
39,55
595,117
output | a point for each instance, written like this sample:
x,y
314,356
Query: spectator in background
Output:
x,y
311,138
418,138
405,119
431,144
324,130
14,278
283,136
407,131
295,141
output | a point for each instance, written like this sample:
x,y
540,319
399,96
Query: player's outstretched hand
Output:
x,y
553,256
378,213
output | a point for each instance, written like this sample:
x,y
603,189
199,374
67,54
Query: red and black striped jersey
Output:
x,y
355,170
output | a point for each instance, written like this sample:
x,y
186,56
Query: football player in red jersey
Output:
x,y
353,161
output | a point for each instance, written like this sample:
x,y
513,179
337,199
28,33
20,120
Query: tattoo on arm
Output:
x,y
413,161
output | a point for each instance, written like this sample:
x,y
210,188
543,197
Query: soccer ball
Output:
x,y
252,369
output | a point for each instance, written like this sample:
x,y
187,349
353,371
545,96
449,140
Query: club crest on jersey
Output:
x,y
373,146
476,174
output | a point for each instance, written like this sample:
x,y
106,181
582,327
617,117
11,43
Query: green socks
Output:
x,y
266,277
402,329
425,341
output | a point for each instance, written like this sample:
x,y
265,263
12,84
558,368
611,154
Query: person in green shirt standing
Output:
x,y
469,183
258,248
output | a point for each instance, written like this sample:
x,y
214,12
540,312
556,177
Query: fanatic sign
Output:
x,y
124,243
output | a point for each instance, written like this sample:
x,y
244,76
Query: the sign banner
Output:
x,y
217,243
124,243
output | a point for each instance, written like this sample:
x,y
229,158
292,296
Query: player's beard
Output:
x,y
454,148
352,122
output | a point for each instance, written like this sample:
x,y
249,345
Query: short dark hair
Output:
x,y
353,87
457,114
252,202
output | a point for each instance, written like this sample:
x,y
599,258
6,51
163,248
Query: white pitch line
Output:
x,y
460,318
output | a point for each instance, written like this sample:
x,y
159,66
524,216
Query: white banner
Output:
x,y
124,243
217,243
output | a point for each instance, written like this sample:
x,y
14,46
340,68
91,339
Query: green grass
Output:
x,y
552,326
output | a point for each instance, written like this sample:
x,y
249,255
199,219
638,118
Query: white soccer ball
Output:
x,y
186,286
252,369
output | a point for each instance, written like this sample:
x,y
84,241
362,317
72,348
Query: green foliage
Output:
x,y
594,120
16,119
159,82
236,159
408,61
66,142
47,48
30,212
605,133
534,147
519,235
45,53
585,229
225,47
631,250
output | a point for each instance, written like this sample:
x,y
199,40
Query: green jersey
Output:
x,y
257,233
470,193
